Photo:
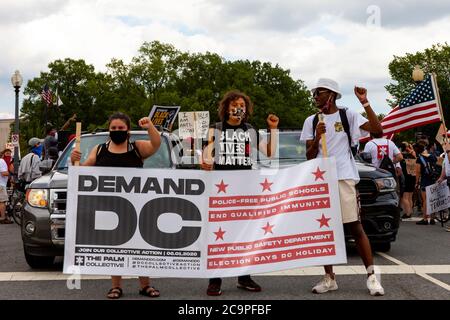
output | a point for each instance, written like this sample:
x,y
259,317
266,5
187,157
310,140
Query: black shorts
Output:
x,y
410,183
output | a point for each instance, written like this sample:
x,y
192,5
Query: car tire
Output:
x,y
382,247
38,262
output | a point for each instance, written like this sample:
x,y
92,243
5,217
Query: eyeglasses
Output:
x,y
317,92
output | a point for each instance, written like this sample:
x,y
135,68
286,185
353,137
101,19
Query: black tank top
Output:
x,y
130,159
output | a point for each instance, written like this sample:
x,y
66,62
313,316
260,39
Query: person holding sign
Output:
x,y
232,145
426,175
339,131
445,173
120,152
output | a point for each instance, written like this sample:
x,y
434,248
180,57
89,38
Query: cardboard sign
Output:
x,y
193,124
438,197
164,116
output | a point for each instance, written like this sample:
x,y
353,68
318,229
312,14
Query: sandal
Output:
x,y
149,291
114,293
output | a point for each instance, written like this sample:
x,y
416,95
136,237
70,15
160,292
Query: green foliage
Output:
x,y
432,60
162,75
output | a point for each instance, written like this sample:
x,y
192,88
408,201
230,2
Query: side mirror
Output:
x,y
46,166
366,156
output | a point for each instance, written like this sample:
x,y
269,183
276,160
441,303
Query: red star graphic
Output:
x,y
266,185
323,221
219,234
222,187
268,228
319,174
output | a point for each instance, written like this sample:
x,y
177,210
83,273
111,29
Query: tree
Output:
x,y
432,60
162,75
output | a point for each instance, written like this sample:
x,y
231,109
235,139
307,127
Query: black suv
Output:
x,y
380,215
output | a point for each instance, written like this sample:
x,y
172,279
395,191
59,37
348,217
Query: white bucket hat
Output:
x,y
328,84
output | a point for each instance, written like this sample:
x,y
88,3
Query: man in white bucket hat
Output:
x,y
342,129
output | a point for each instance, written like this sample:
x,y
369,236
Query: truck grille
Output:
x,y
367,189
58,201
58,205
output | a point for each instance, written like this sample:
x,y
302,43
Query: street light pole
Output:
x,y
16,81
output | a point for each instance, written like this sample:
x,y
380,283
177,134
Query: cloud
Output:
x,y
21,11
292,15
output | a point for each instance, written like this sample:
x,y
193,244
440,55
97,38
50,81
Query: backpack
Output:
x,y
386,163
345,124
431,169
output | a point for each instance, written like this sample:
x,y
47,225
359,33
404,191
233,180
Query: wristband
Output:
x,y
365,105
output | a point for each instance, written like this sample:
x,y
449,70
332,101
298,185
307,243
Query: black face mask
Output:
x,y
118,136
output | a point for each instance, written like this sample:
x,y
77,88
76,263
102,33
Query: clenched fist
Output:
x,y
145,123
272,121
361,94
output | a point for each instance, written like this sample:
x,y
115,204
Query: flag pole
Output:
x,y
323,139
77,140
438,98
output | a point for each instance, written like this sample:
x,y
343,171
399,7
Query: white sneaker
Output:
x,y
325,285
375,288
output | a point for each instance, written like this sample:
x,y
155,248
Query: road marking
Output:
x,y
308,271
357,270
435,281
415,219
392,259
422,272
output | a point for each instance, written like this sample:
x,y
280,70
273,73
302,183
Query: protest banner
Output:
x,y
164,116
197,224
438,197
193,124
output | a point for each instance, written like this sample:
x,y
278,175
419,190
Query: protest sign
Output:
x,y
438,197
197,224
193,124
164,116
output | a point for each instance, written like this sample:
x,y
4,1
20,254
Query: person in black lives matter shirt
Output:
x,y
120,152
233,145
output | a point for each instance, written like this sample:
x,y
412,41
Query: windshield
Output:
x,y
161,159
290,148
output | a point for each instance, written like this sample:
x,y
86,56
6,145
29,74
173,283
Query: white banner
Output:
x,y
438,197
198,224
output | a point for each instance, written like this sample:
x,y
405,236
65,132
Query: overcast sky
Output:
x,y
351,41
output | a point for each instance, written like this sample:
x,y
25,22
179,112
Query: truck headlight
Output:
x,y
386,184
37,198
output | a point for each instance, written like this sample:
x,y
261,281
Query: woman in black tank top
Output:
x,y
119,152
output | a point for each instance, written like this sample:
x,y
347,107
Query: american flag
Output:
x,y
46,95
419,108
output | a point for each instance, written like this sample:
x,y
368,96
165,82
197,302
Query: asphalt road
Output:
x,y
417,267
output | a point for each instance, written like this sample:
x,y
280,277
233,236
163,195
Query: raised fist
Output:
x,y
272,121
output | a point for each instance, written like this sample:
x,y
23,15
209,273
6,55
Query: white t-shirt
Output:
x,y
3,168
337,141
378,148
446,166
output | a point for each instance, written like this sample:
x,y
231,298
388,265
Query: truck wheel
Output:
x,y
382,247
38,262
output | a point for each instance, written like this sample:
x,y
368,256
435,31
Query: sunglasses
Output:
x,y
318,92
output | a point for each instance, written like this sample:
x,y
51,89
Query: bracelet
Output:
x,y
365,105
